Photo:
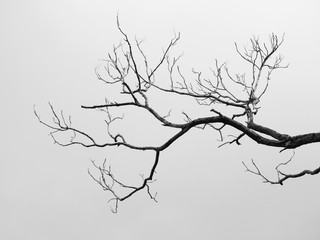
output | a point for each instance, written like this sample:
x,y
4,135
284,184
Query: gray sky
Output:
x,y
49,50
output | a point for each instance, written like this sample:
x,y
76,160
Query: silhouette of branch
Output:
x,y
282,177
123,63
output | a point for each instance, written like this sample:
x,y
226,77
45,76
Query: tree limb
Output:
x,y
207,92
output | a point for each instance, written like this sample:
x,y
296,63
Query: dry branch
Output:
x,y
207,92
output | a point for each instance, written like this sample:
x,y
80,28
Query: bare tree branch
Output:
x,y
122,64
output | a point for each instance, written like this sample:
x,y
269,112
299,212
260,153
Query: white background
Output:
x,y
48,52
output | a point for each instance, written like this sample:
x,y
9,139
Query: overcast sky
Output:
x,y
49,50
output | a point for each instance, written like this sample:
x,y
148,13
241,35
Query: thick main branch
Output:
x,y
137,79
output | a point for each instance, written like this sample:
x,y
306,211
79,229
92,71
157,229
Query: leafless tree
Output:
x,y
127,65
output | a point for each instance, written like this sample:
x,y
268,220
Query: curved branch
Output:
x,y
284,177
297,175
206,92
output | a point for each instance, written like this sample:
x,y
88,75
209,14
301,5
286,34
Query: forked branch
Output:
x,y
282,177
139,79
